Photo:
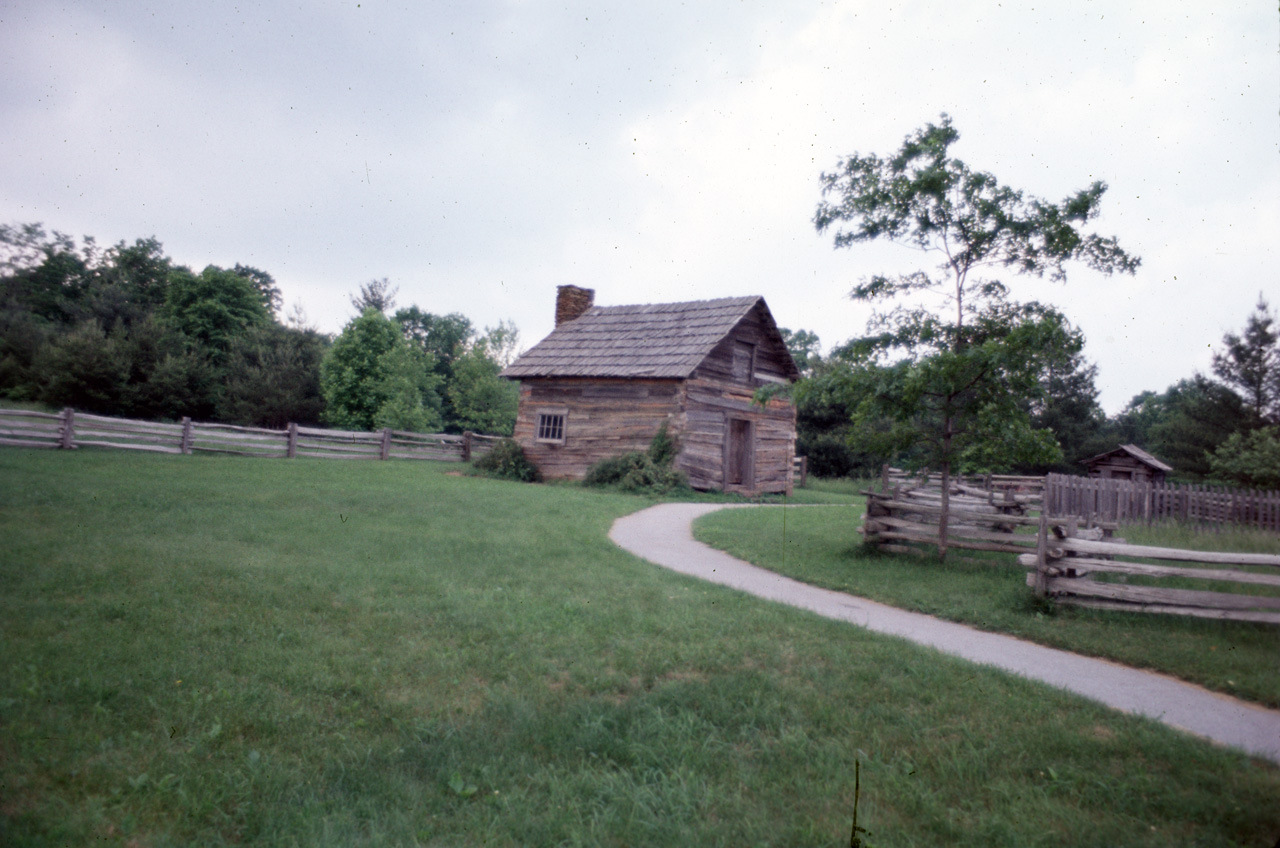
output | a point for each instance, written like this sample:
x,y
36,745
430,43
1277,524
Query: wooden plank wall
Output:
x,y
607,417
604,417
709,405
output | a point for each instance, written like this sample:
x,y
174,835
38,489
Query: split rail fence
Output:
x,y
1066,562
901,517
1071,559
1133,502
69,429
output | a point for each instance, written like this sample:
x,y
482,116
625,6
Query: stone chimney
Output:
x,y
571,302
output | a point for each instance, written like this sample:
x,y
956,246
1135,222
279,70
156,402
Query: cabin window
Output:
x,y
744,361
551,427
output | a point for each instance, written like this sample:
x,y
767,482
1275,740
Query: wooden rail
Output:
x,y
1065,565
903,515
69,430
1072,559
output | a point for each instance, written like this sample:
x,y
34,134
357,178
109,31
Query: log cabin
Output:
x,y
1127,462
607,377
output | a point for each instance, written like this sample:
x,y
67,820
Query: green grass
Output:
x,y
822,547
210,651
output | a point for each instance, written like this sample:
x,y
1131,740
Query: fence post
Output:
x,y
1041,584
187,439
385,450
466,445
291,449
67,429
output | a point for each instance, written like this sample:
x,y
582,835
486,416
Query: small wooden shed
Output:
x,y
1127,462
607,377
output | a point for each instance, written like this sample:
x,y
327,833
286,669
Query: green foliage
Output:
x,y
144,370
273,378
84,369
825,404
1249,459
957,383
215,307
804,348
1068,408
663,448
479,399
507,460
641,472
1250,362
123,331
373,378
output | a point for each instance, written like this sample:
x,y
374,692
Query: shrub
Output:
x,y
663,448
507,460
641,472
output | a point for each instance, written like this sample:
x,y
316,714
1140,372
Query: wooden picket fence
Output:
x,y
1132,502
69,429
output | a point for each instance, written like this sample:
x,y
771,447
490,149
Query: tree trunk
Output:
x,y
944,518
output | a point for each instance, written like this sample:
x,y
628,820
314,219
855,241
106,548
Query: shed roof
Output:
x,y
1135,452
642,340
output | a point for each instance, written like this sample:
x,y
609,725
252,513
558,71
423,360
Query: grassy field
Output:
x,y
210,651
822,546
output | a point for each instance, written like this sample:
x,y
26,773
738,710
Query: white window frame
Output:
x,y
540,427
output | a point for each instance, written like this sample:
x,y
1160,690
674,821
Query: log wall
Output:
x,y
603,417
606,417
710,405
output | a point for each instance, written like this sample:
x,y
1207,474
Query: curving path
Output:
x,y
663,535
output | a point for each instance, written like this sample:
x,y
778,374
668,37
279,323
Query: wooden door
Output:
x,y
739,458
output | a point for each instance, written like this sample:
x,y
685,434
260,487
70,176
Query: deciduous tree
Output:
x,y
956,374
372,377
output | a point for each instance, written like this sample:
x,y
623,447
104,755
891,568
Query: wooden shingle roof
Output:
x,y
1135,452
643,340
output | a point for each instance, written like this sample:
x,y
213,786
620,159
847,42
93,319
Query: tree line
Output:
x,y
124,330
955,374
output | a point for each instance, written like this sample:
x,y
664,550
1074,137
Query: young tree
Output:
x,y
1250,363
481,400
971,363
372,377
1249,459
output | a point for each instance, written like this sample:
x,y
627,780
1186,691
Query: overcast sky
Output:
x,y
478,154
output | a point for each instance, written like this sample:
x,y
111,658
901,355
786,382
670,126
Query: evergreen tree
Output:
x,y
1250,363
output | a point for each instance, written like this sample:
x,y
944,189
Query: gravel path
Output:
x,y
663,535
